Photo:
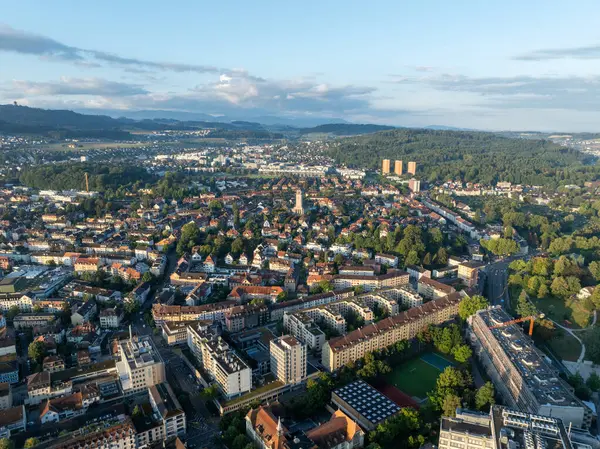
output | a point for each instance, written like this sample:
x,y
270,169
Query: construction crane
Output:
x,y
87,182
532,318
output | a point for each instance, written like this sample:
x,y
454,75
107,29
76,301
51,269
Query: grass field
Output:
x,y
415,377
559,310
565,347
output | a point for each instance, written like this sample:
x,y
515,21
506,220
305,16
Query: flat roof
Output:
x,y
367,401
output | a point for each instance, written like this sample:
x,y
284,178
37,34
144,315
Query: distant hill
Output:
x,y
471,156
182,116
69,124
345,129
54,118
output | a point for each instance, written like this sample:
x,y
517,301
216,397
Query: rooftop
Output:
x,y
541,377
367,401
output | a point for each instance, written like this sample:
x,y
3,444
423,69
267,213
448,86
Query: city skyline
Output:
x,y
467,65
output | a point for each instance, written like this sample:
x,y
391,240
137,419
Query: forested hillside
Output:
x,y
471,156
72,176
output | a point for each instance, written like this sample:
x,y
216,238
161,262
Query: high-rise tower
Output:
x,y
398,168
299,207
385,167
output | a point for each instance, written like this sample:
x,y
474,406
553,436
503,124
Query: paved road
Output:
x,y
497,283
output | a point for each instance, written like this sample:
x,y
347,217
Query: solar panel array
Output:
x,y
367,401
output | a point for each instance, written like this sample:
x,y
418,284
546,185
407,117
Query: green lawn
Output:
x,y
415,377
559,310
565,347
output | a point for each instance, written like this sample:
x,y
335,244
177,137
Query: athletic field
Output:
x,y
417,377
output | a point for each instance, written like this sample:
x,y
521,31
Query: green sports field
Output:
x,y
415,378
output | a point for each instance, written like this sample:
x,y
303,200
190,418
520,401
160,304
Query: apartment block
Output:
x,y
412,168
288,359
398,168
140,365
431,289
165,404
393,278
520,373
232,374
304,328
385,167
404,326
214,312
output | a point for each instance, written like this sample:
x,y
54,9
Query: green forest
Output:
x,y
470,156
72,176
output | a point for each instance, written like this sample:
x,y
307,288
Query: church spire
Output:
x,y
279,427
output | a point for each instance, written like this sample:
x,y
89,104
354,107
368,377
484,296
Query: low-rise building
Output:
x,y
364,404
165,404
29,320
84,312
6,397
12,420
111,318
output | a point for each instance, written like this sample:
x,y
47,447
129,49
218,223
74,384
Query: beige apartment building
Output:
x,y
412,168
385,167
404,326
140,365
398,168
288,359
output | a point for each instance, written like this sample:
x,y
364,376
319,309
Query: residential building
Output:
x,y
119,434
468,272
213,312
111,318
29,320
84,313
232,375
414,185
175,332
6,397
385,167
42,386
521,374
288,359
59,409
393,278
19,299
12,420
387,259
165,404
432,289
404,326
53,364
304,328
412,168
140,365
398,168
246,316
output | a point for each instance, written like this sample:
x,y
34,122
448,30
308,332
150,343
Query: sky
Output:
x,y
509,65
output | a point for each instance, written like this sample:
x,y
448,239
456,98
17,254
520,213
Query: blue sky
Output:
x,y
502,65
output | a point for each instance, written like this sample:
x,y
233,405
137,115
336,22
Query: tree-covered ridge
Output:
x,y
345,129
72,176
470,156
